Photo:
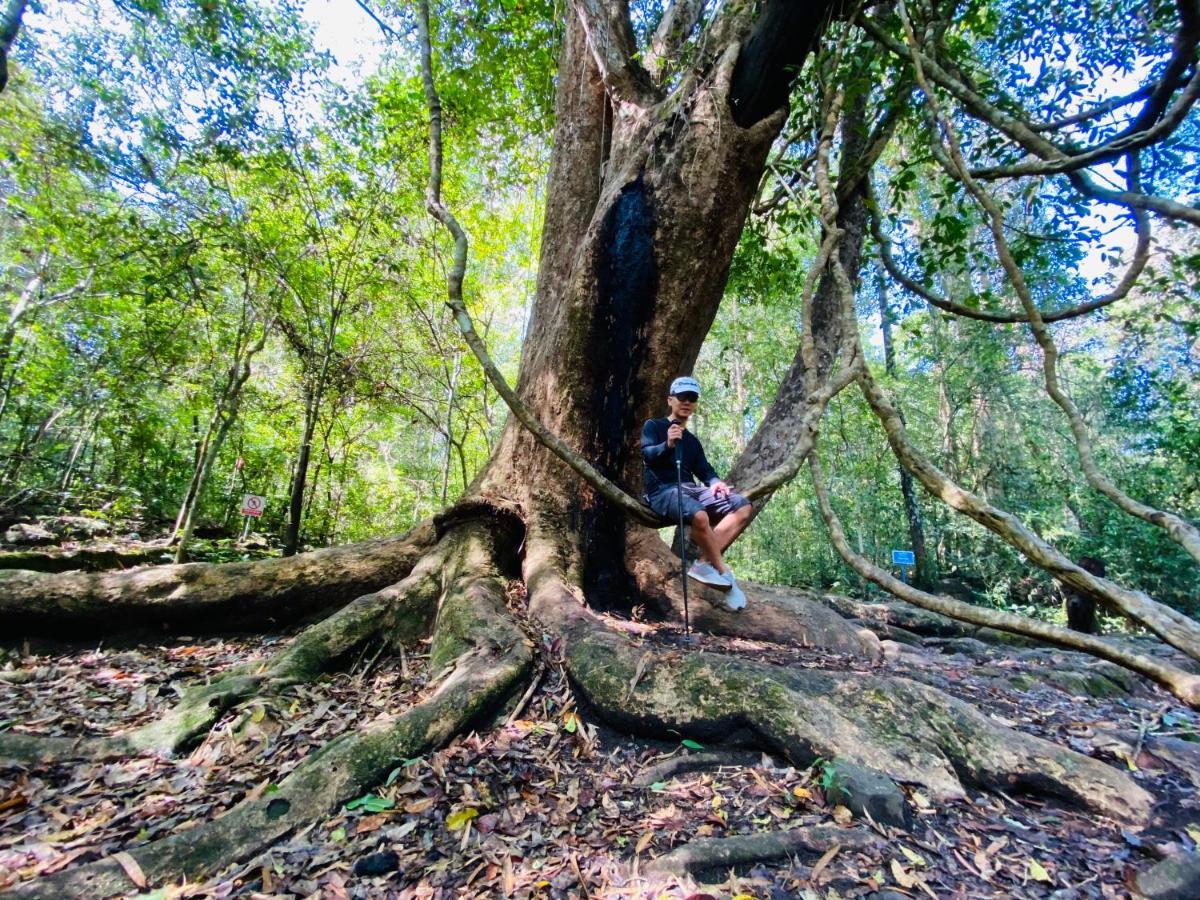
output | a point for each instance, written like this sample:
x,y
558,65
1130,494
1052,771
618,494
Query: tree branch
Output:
x,y
1183,685
1108,106
1141,256
1178,529
1052,159
610,37
678,22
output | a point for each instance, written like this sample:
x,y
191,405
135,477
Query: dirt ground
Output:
x,y
549,803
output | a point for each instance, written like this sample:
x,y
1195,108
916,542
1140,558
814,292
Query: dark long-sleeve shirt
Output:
x,y
660,459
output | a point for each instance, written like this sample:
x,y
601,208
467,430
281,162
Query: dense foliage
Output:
x,y
189,193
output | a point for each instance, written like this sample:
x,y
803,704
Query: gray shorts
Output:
x,y
696,497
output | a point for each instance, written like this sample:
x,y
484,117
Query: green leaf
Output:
x,y
691,745
370,803
338,836
915,858
459,818
658,786
1037,872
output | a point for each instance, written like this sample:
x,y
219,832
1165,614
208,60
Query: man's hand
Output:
x,y
674,433
720,489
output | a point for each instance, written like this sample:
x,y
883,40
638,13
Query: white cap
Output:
x,y
685,384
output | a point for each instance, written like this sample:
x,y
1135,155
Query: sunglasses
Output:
x,y
687,397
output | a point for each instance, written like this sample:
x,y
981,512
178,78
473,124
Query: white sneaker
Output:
x,y
735,599
706,573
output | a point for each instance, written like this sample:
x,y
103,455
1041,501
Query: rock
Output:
x,y
970,647
1184,755
1175,878
864,790
871,643
1082,684
1007,638
890,632
28,533
77,526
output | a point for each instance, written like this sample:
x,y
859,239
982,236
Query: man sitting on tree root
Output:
x,y
717,514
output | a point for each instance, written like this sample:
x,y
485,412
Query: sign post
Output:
x,y
252,508
904,559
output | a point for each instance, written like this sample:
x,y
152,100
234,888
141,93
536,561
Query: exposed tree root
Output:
x,y
485,655
723,854
402,611
771,614
908,731
219,598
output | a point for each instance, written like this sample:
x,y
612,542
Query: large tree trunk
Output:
x,y
645,205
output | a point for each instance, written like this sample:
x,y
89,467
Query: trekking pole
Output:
x,y
687,628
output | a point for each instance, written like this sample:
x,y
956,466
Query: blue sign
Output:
x,y
904,558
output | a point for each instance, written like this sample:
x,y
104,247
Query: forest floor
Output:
x,y
550,804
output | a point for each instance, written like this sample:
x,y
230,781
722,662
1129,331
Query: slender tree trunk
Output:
x,y
202,475
291,538
194,483
912,507
451,397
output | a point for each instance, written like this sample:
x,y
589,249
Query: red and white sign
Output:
x,y
252,505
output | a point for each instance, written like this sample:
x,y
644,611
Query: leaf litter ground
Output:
x,y
552,804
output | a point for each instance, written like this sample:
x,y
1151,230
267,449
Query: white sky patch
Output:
x,y
345,30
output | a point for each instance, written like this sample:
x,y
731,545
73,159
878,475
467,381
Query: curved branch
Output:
x,y
1183,57
1173,627
454,299
1169,209
1109,150
1141,256
1111,105
1178,529
828,259
1183,685
1052,159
